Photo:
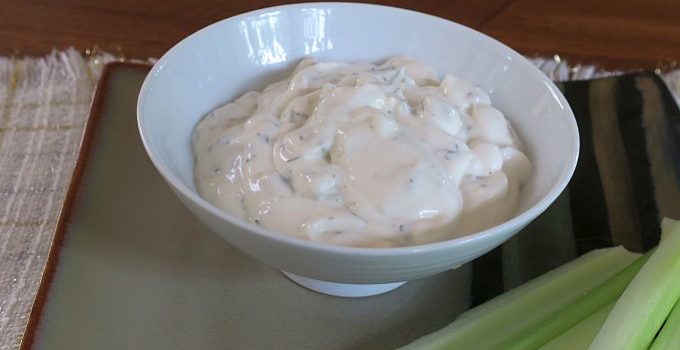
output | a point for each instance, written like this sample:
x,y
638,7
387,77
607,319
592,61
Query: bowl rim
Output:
x,y
516,222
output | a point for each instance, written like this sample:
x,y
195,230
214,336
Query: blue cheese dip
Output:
x,y
357,154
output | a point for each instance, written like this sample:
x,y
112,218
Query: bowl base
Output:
x,y
346,290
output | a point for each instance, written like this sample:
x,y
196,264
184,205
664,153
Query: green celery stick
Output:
x,y
669,337
581,335
643,307
570,315
497,320
668,225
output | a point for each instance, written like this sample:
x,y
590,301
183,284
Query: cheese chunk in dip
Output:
x,y
357,154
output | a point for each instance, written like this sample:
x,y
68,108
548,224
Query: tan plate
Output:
x,y
130,268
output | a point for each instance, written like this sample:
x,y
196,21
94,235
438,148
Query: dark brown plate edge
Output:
x,y
96,109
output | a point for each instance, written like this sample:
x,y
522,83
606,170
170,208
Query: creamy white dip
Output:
x,y
362,155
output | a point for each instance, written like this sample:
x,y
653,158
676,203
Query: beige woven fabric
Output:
x,y
44,103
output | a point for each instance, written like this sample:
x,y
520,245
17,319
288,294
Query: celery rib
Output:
x,y
669,337
581,335
498,320
667,226
645,304
572,314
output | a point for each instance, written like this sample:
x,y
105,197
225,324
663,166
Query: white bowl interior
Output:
x,y
250,51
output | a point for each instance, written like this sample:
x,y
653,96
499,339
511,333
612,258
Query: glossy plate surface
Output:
x,y
136,270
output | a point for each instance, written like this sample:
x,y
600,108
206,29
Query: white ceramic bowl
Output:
x,y
228,58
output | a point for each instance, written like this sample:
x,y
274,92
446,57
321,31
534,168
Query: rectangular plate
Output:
x,y
130,267
134,269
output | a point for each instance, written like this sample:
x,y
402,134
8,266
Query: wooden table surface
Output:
x,y
614,34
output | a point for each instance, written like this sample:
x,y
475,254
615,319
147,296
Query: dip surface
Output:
x,y
362,155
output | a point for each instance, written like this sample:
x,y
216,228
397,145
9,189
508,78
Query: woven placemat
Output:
x,y
44,104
